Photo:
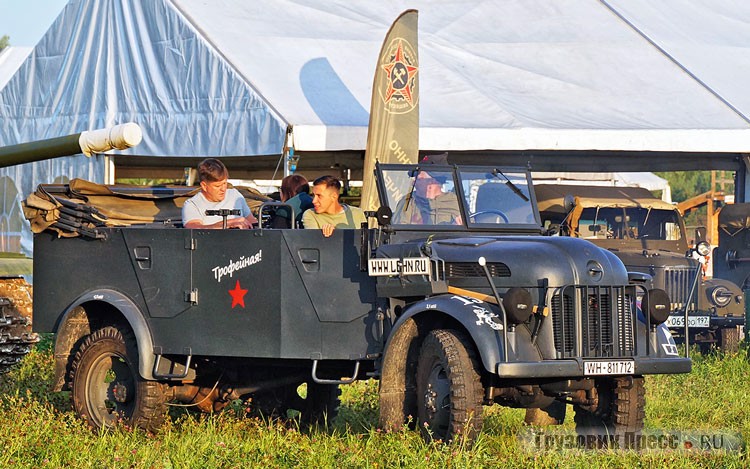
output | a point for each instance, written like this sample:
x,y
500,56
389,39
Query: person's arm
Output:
x,y
239,222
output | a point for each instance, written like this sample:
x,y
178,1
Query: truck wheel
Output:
x,y
107,388
619,407
449,388
729,340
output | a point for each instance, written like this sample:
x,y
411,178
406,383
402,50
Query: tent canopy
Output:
x,y
231,78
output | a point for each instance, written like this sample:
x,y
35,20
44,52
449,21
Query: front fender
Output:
x,y
481,320
70,329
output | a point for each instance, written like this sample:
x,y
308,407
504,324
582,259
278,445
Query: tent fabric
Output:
x,y
11,59
229,78
649,181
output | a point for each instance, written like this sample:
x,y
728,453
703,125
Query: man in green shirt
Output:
x,y
328,213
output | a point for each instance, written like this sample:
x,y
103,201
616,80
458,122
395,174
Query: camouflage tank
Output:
x,y
16,338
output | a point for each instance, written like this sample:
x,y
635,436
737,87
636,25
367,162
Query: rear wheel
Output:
x,y
619,407
107,388
449,388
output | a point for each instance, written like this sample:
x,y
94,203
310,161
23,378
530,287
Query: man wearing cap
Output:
x,y
428,204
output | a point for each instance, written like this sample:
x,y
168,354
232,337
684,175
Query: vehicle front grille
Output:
x,y
677,283
472,269
605,326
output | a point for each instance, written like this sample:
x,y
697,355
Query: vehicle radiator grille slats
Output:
x,y
472,269
604,328
677,283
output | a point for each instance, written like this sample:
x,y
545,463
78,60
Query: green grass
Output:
x,y
39,429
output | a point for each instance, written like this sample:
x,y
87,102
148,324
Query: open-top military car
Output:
x,y
454,300
649,236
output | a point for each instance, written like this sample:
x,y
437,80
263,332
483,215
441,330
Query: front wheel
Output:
x,y
107,388
449,388
619,407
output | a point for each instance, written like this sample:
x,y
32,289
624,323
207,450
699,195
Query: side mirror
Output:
x,y
569,201
700,234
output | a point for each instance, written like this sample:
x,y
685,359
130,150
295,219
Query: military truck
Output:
x,y
649,236
16,337
731,259
478,308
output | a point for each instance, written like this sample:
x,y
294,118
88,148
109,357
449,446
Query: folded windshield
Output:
x,y
442,196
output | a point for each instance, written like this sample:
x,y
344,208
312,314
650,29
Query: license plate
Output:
x,y
693,321
609,367
406,266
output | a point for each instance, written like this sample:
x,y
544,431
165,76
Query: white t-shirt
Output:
x,y
195,207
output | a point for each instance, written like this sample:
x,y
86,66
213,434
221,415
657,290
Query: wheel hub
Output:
x,y
120,393
430,398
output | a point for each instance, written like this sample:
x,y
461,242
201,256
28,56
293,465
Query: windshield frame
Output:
x,y
456,173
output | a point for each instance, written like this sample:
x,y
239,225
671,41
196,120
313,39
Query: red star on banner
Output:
x,y
238,295
402,87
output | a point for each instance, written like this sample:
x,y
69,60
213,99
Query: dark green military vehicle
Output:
x,y
450,312
649,236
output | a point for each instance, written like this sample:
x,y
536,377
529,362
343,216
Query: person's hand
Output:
x,y
241,223
328,230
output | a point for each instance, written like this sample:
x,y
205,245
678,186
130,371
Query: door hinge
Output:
x,y
191,296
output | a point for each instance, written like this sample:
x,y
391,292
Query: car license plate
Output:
x,y
609,367
678,320
407,266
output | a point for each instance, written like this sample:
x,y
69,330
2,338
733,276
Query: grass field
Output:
x,y
38,429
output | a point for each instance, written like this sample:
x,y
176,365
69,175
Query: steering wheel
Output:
x,y
500,214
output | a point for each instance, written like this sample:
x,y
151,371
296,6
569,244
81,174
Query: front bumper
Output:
x,y
573,368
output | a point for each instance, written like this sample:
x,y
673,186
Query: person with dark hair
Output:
x,y
294,192
329,213
215,195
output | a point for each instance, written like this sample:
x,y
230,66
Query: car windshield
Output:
x,y
440,196
629,223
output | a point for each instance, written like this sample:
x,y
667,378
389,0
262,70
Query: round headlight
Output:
x,y
703,248
656,304
517,304
721,296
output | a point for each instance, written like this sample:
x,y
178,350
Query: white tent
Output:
x,y
11,59
551,84
230,78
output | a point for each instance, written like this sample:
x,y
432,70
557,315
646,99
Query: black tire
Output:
x,y
107,388
620,407
553,414
729,340
449,387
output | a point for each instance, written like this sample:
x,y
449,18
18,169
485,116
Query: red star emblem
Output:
x,y
238,295
400,74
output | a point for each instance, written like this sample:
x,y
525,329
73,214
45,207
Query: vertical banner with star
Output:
x,y
393,133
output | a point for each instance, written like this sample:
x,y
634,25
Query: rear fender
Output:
x,y
74,325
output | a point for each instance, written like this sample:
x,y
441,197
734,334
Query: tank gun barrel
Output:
x,y
118,137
